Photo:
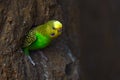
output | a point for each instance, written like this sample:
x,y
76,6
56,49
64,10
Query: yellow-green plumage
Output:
x,y
41,36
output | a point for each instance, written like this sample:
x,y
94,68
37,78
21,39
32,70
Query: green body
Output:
x,y
36,40
40,42
41,36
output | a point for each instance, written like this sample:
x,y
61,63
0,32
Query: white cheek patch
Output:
x,y
57,25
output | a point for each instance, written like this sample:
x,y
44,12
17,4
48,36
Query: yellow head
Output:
x,y
54,28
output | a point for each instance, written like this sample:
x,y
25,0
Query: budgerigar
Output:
x,y
41,36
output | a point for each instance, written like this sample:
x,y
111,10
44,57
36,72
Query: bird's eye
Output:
x,y
53,27
52,34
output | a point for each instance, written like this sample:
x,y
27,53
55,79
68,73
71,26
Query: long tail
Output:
x,y
32,62
26,52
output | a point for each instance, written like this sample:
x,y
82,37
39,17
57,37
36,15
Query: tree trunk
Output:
x,y
16,18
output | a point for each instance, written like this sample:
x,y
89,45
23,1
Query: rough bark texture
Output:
x,y
16,18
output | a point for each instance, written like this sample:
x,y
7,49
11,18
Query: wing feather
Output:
x,y
30,38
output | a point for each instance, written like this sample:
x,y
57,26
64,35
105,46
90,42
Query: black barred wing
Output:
x,y
29,39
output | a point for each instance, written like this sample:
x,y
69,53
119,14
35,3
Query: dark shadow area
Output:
x,y
100,36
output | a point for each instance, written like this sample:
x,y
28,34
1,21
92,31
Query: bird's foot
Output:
x,y
32,62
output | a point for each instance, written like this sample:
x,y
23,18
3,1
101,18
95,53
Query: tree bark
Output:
x,y
16,18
